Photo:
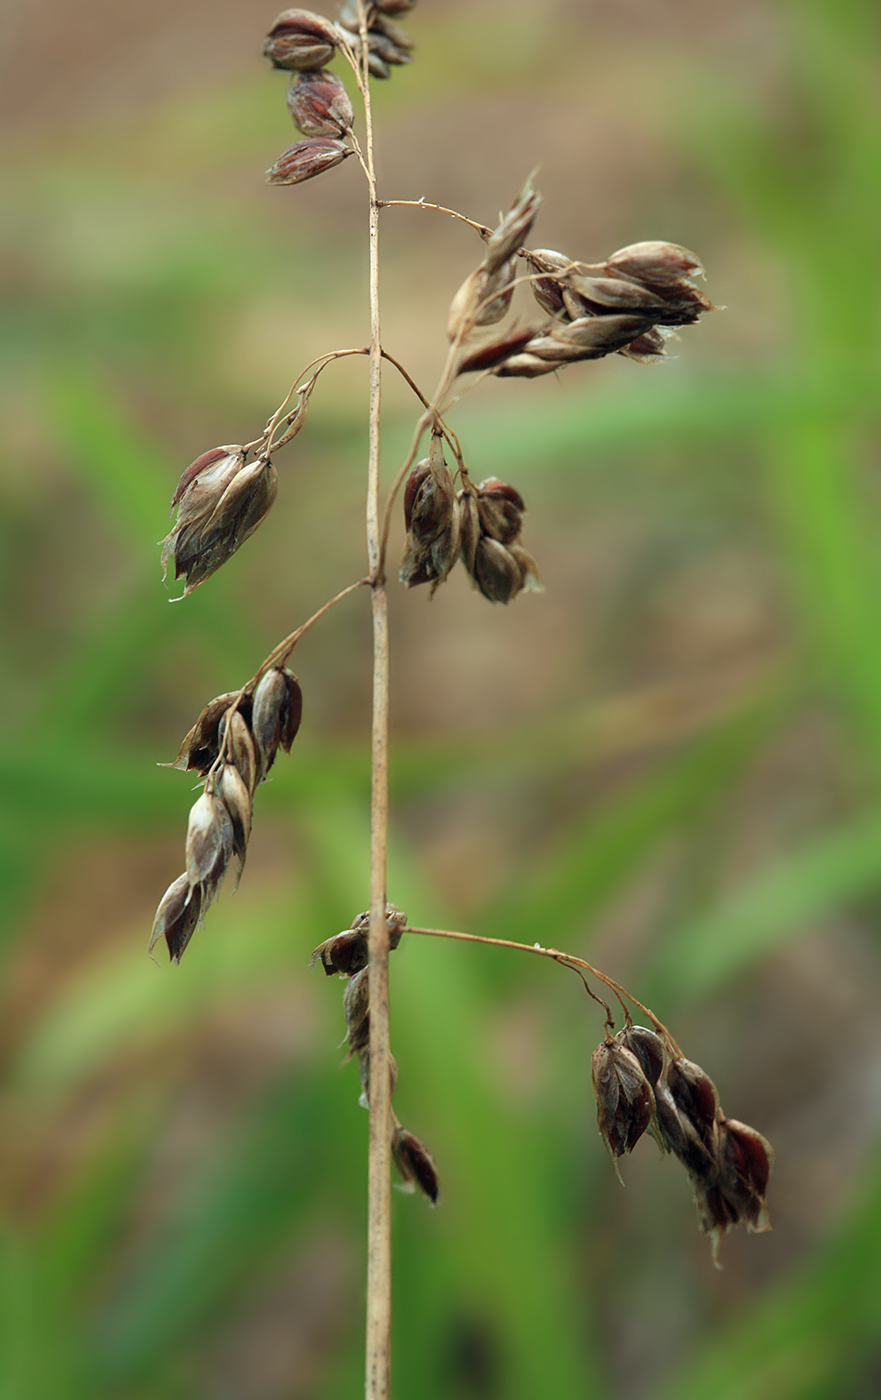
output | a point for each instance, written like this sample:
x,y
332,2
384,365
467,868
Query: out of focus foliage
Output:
x,y
668,762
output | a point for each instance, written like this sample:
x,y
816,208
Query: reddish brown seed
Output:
x,y
300,39
307,159
655,263
415,1164
320,104
625,1102
496,351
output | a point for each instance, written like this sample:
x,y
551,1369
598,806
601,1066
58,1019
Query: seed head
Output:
x,y
656,264
625,1102
431,514
732,1191
276,716
307,159
300,39
506,240
201,746
347,951
209,843
319,104
356,1007
414,1162
220,502
233,792
177,917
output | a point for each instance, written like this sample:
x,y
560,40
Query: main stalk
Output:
x,y
379,1272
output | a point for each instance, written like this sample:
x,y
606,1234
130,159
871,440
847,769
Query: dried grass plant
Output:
x,y
629,304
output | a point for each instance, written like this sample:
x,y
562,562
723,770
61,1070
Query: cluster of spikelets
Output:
x,y
480,525
627,305
347,954
305,43
233,745
643,1084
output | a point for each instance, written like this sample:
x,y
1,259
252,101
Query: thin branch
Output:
x,y
569,960
439,208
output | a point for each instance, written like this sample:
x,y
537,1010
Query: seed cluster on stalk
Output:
x,y
233,745
629,305
304,43
346,954
643,1085
480,525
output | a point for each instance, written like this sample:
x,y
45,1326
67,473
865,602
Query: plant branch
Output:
x,y
569,960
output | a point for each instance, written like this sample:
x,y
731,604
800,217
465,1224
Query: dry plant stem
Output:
x,y
379,1271
439,208
565,960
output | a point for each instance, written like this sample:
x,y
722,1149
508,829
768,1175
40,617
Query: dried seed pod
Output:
x,y
625,1102
648,1047
236,798
483,299
656,264
602,294
201,746
319,104
216,512
746,1160
431,514
497,350
241,750
300,39
415,1164
496,571
381,24
527,366
177,917
688,1113
291,711
307,159
588,337
530,581
385,48
734,1193
500,510
276,716
546,266
356,1006
470,527
648,347
505,240
347,951
209,844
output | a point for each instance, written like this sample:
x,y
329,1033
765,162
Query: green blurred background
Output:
x,y
668,762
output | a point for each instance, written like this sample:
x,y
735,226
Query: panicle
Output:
x,y
627,305
220,501
431,515
388,45
641,1084
232,745
492,521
